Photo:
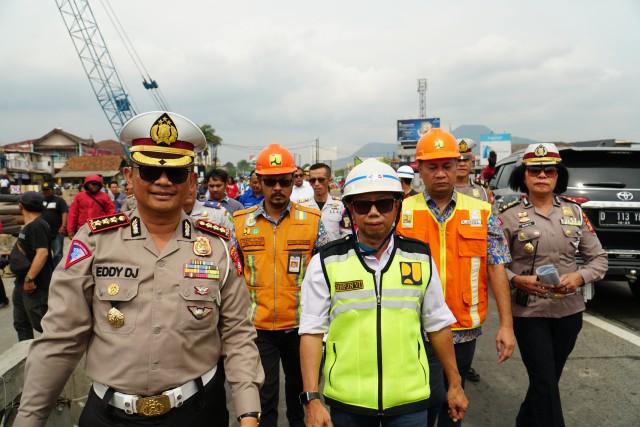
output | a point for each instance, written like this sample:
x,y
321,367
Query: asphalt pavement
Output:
x,y
599,385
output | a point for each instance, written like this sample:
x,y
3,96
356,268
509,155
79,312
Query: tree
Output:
x,y
213,140
230,168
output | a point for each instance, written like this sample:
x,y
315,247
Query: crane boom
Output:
x,y
96,61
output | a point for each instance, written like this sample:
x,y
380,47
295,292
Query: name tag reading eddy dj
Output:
x,y
117,271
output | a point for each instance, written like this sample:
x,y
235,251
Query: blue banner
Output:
x,y
412,130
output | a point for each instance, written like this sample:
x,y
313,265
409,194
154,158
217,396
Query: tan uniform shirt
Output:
x,y
175,329
558,236
478,191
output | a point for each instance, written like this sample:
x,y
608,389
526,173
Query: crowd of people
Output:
x,y
371,304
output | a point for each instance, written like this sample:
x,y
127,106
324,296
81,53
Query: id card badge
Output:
x,y
295,259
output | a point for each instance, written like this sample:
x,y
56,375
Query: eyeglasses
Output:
x,y
152,173
549,171
363,207
298,175
271,182
320,180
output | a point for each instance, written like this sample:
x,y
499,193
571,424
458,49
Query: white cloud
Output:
x,y
292,71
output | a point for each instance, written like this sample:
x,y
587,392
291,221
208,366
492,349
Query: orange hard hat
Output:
x,y
275,160
437,144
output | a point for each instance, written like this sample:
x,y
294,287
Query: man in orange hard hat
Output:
x,y
276,239
469,249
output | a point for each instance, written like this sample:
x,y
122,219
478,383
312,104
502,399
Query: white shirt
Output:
x,y
316,299
304,192
331,216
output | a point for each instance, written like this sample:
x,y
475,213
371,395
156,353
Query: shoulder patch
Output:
x,y
213,228
481,182
212,204
509,205
103,223
77,252
568,199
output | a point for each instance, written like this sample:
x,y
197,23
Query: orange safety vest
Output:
x,y
275,260
459,249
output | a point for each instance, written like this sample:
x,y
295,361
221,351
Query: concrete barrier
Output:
x,y
69,406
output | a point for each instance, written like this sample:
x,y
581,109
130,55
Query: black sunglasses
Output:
x,y
152,173
363,207
320,180
271,182
549,171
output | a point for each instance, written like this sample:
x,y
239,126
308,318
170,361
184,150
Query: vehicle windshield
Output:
x,y
603,168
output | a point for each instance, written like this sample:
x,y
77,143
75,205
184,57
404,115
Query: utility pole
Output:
x,y
317,150
422,91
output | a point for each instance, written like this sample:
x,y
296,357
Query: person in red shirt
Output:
x,y
91,203
232,188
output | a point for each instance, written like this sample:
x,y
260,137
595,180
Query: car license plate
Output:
x,y
620,218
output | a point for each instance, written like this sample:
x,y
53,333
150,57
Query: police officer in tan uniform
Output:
x,y
546,229
476,188
153,298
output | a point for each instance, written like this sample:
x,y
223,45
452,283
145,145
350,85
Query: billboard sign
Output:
x,y
413,129
498,142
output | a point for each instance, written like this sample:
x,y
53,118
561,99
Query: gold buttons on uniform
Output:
x,y
528,248
113,289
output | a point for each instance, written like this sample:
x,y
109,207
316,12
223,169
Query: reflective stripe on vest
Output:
x,y
459,247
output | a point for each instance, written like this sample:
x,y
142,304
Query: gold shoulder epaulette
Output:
x,y
481,182
107,222
509,205
213,228
568,199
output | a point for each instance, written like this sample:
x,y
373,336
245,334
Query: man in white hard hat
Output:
x,y
373,293
406,175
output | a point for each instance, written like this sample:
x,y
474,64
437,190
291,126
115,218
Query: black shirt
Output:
x,y
52,211
33,236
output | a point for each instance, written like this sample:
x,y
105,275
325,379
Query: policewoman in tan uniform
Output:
x,y
546,229
154,299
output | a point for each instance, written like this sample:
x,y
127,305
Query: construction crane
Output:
x,y
98,65
96,61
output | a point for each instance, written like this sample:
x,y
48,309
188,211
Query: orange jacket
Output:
x,y
275,260
459,248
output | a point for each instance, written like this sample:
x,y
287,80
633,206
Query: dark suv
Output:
x,y
606,182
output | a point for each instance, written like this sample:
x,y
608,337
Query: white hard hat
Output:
x,y
372,176
406,171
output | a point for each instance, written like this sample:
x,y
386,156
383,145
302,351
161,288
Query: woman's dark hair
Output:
x,y
516,180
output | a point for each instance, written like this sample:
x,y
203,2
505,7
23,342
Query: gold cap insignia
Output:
x,y
463,146
541,151
163,131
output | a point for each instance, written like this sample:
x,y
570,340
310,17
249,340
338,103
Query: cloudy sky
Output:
x,y
341,71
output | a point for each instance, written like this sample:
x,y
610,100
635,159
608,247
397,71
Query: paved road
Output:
x,y
600,382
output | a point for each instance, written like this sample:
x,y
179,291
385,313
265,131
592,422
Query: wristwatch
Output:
x,y
307,396
28,279
250,415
